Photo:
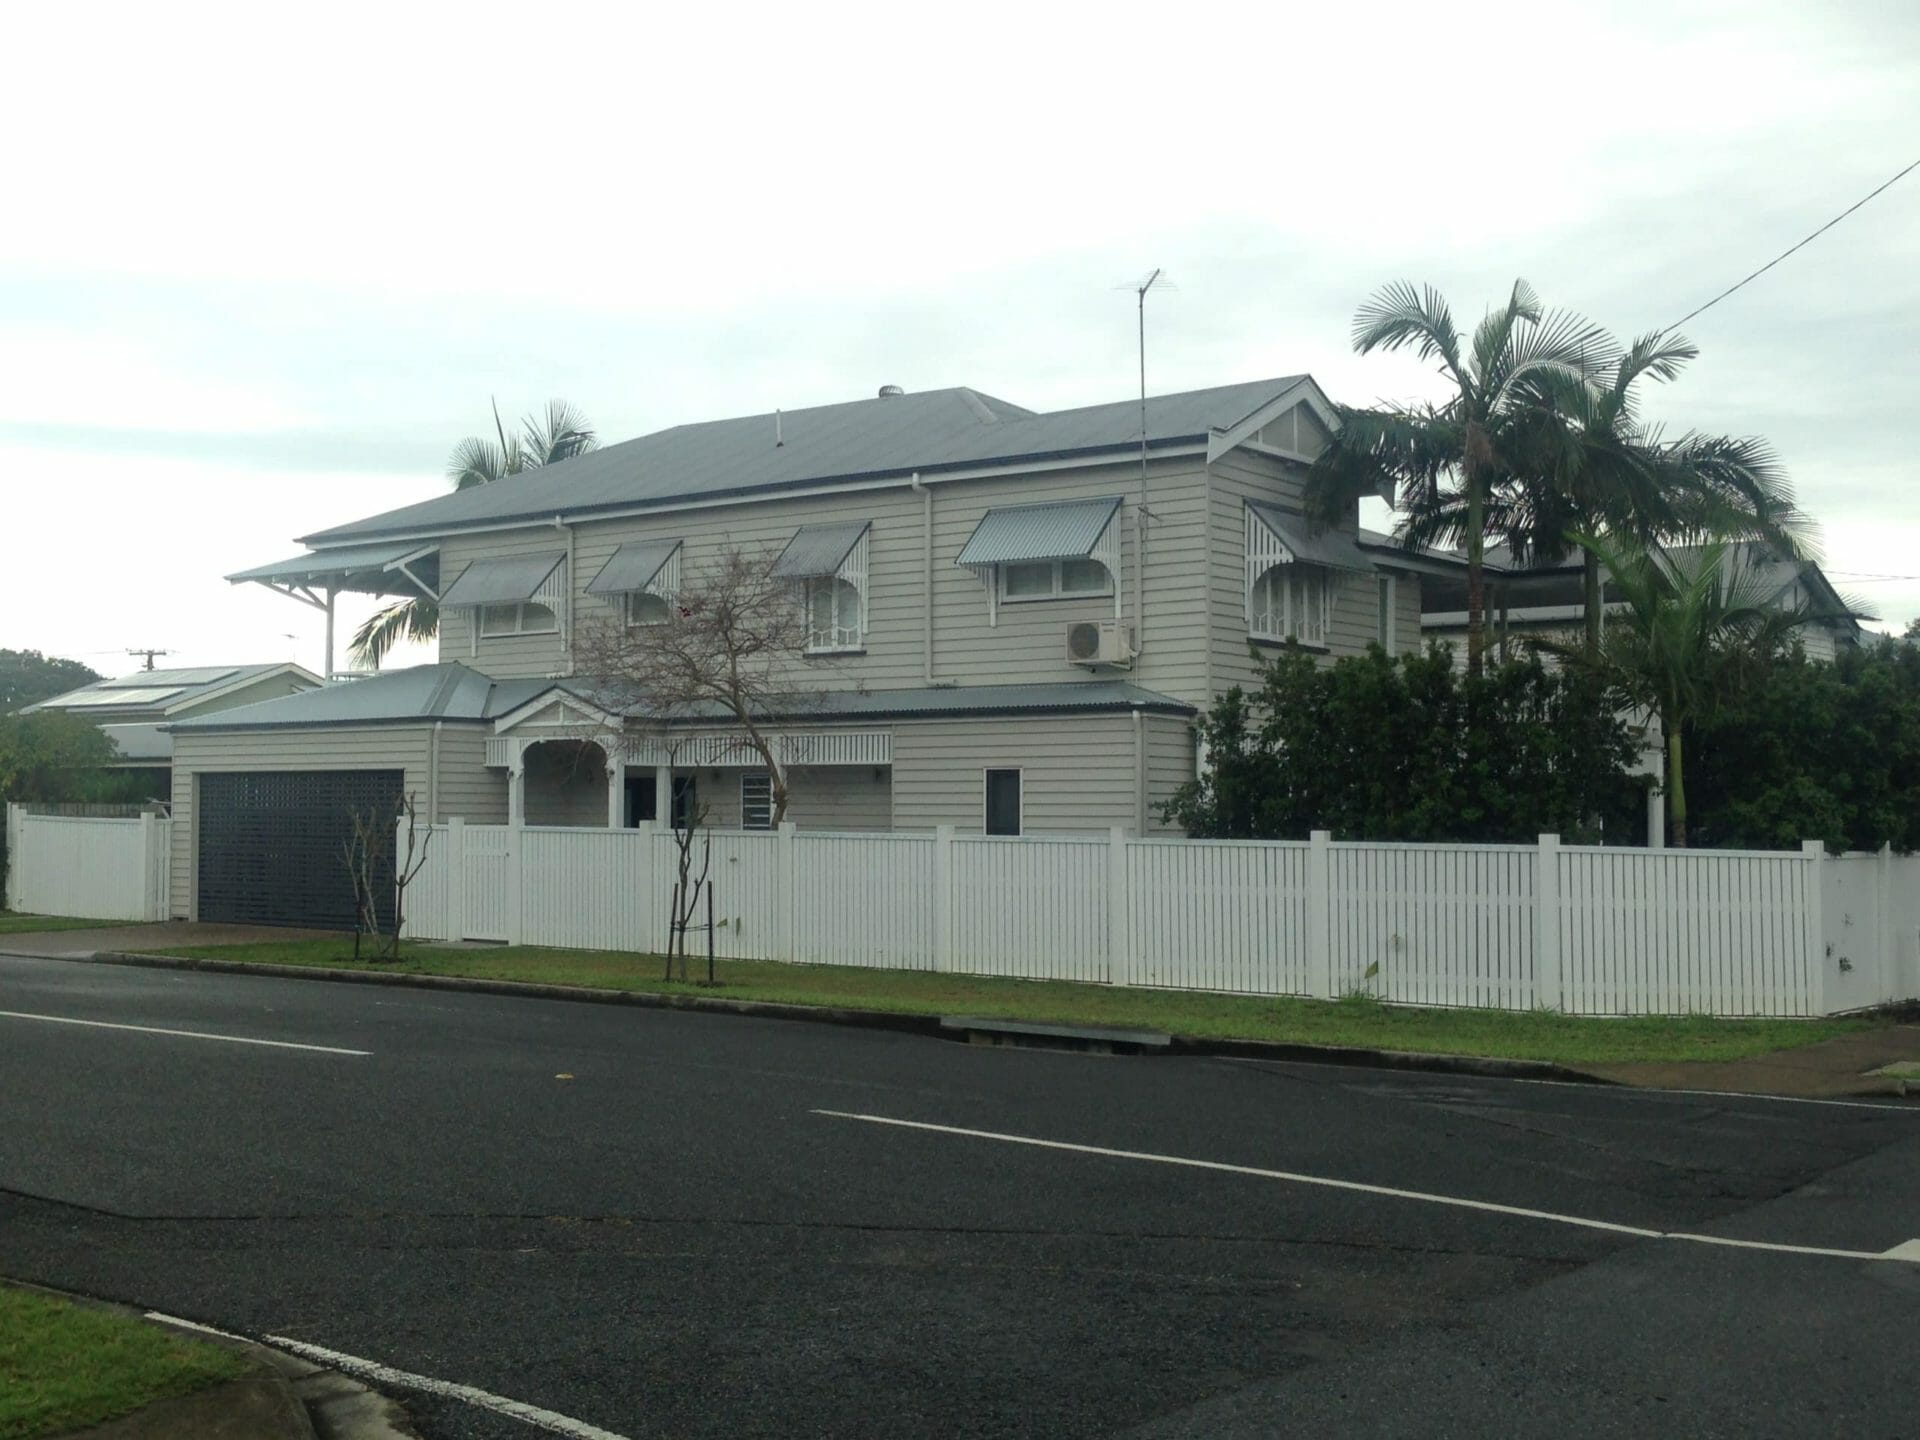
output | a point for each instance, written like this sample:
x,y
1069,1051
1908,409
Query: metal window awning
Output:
x,y
409,569
817,550
1053,530
1334,549
505,580
633,568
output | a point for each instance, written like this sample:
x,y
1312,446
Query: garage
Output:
x,y
271,844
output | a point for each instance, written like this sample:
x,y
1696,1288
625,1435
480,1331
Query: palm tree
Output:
x,y
1464,447
562,433
1586,464
1697,625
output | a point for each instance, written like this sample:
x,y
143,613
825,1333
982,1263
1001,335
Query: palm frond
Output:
x,y
562,433
1397,315
407,620
476,462
1406,449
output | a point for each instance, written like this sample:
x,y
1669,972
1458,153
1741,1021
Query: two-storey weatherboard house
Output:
x,y
1014,617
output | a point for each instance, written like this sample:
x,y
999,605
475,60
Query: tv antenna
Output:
x,y
1141,290
149,654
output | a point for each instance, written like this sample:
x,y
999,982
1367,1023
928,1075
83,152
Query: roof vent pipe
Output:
x,y
889,392
778,438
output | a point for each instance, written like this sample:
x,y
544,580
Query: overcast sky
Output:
x,y
261,267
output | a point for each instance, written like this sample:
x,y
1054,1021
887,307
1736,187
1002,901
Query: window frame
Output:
x,y
520,626
1288,629
833,644
766,777
987,772
627,599
1055,576
1387,616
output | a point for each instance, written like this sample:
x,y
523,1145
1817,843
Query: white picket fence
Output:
x,y
97,869
1587,931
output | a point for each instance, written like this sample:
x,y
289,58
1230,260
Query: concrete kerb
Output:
x,y
294,1400
906,1021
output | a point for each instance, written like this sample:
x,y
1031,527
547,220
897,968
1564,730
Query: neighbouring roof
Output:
x,y
505,580
1333,548
633,567
453,692
369,569
154,694
819,549
420,693
1054,530
930,431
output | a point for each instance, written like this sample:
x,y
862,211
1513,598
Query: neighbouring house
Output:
x,y
1016,619
1547,599
135,710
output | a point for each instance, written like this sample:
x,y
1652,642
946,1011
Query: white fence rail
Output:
x,y
95,869
1584,930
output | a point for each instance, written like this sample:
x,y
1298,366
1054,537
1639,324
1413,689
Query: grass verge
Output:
x,y
12,924
64,1366
1359,1023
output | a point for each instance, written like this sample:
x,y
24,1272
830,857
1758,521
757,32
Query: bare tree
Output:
x,y
729,654
367,851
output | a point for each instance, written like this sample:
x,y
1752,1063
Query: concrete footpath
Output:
x,y
1881,1061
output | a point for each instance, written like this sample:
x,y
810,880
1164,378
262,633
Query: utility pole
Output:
x,y
149,654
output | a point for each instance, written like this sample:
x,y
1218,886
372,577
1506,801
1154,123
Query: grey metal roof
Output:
x,y
632,568
355,567
819,549
1333,548
1055,530
149,694
421,693
930,431
505,580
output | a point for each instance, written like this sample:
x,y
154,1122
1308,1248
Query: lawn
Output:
x,y
12,924
65,1366
1357,1022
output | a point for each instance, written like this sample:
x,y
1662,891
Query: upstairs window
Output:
x,y
1290,602
528,617
1054,579
833,615
644,608
1002,802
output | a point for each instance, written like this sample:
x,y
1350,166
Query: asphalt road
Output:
x,y
640,1219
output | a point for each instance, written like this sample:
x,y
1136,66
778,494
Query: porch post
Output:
x,y
663,796
327,676
616,790
517,786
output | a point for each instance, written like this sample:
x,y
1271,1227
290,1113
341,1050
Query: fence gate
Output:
x,y
271,845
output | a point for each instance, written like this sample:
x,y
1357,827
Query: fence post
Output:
x,y
1815,852
454,922
942,897
149,900
1548,984
787,901
15,840
1888,956
1319,907
1119,913
516,836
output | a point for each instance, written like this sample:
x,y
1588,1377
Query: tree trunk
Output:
x,y
1676,791
1590,569
1476,575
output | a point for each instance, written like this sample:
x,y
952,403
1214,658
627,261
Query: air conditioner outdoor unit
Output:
x,y
1100,642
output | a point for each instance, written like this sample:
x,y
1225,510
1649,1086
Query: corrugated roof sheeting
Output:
x,y
422,692
632,568
335,566
506,580
896,436
819,549
1056,530
1333,548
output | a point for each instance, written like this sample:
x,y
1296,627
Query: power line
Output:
x,y
1784,253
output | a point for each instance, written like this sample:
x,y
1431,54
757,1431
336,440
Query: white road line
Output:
x,y
407,1380
183,1034
1910,1251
